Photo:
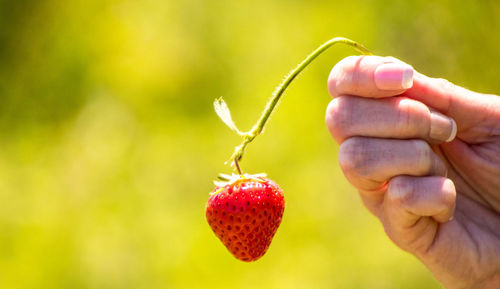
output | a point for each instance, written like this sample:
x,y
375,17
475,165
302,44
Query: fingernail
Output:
x,y
443,128
393,76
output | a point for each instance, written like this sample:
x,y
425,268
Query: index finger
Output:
x,y
370,76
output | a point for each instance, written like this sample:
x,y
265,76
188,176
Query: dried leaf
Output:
x,y
224,114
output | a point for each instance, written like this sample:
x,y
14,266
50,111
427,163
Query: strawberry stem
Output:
x,y
257,129
237,166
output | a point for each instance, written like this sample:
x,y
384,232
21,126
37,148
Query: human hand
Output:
x,y
424,155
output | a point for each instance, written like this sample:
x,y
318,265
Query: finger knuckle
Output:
x,y
400,191
339,115
392,59
354,157
445,84
332,81
340,77
349,62
424,157
412,116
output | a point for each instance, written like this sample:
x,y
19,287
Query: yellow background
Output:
x,y
109,143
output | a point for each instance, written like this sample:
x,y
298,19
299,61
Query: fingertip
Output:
x,y
450,193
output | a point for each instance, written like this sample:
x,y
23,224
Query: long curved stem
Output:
x,y
275,97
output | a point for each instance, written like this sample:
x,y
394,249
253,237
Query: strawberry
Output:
x,y
245,213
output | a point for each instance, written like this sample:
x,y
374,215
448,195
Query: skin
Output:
x,y
437,200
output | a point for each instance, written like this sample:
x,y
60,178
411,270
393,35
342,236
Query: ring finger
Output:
x,y
369,163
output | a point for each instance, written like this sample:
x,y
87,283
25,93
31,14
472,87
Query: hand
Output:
x,y
424,155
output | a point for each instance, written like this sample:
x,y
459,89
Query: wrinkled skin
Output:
x,y
437,199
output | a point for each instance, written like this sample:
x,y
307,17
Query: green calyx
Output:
x,y
233,179
223,112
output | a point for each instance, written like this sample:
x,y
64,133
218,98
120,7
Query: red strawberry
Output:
x,y
245,213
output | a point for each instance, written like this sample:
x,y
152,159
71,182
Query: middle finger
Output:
x,y
394,117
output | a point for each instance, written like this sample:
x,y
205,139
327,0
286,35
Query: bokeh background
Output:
x,y
109,143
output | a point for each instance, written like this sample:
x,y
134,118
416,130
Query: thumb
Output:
x,y
467,108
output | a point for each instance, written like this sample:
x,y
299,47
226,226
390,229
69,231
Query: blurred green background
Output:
x,y
109,143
